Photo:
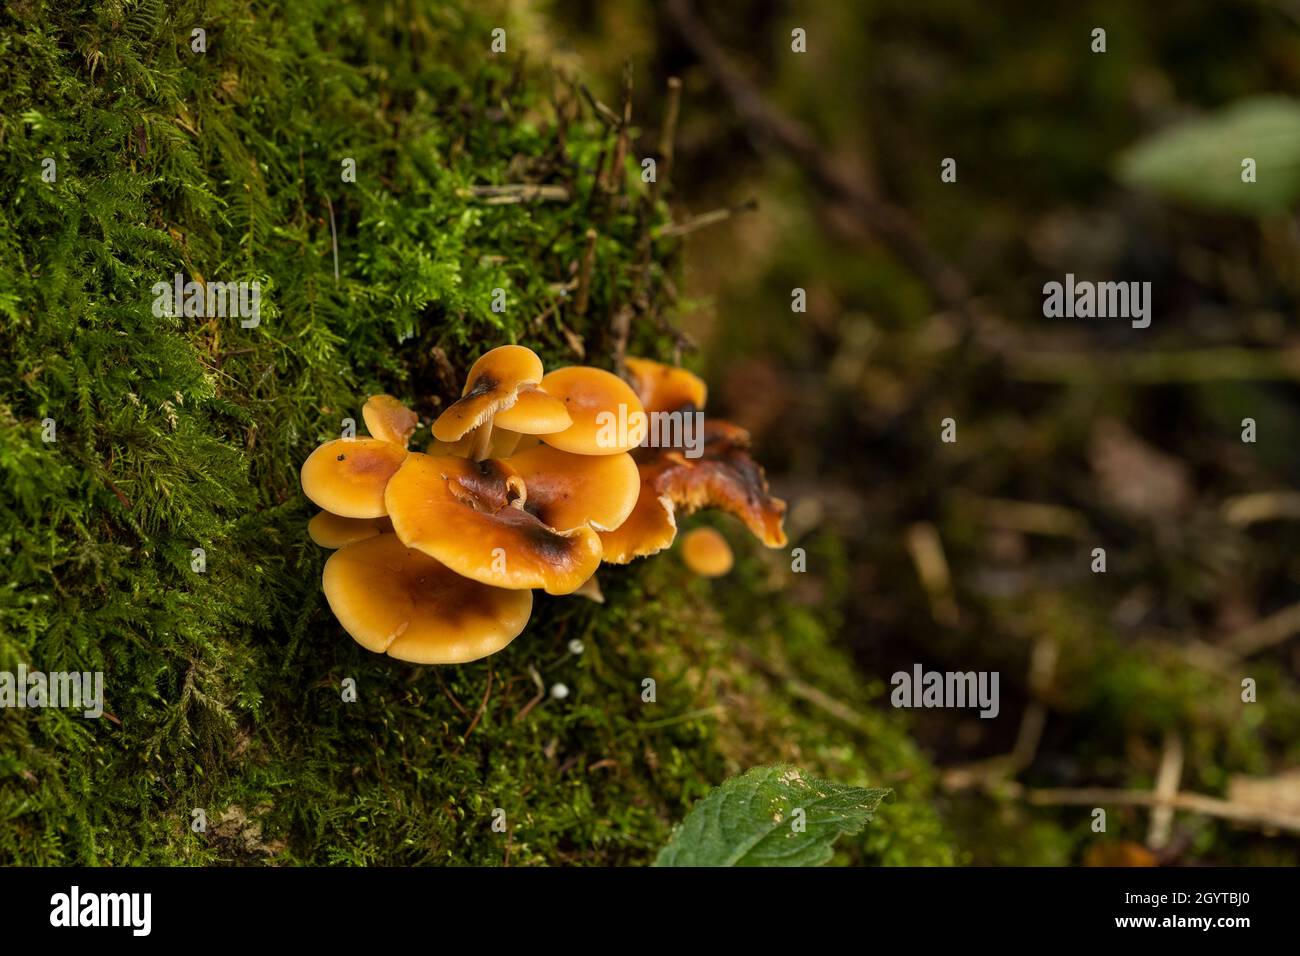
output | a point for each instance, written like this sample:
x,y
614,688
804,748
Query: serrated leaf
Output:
x,y
1200,161
748,821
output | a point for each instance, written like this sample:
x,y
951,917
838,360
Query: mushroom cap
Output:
x,y
706,552
347,475
650,527
724,477
665,388
334,531
389,420
608,418
568,491
534,413
467,515
492,384
395,600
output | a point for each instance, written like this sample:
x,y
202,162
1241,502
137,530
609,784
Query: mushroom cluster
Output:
x,y
524,485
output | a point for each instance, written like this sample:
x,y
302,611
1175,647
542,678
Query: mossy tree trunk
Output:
x,y
173,434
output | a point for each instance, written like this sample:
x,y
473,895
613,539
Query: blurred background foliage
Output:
x,y
1072,434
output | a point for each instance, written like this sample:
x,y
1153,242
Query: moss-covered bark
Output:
x,y
223,687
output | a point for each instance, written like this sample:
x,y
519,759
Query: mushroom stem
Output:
x,y
481,440
506,443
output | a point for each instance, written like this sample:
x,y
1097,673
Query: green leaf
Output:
x,y
1200,161
750,821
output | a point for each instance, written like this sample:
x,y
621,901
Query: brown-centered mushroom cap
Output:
x,y
608,418
706,552
470,516
396,600
567,491
389,420
334,531
492,385
665,388
347,475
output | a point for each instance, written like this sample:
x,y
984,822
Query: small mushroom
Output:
x,y
533,413
608,418
471,516
389,420
567,491
398,601
347,476
492,385
665,388
706,552
334,531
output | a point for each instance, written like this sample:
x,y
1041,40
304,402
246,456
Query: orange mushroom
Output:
x,y
650,527
665,388
534,413
389,420
334,531
608,418
567,491
398,601
347,476
706,552
492,385
471,517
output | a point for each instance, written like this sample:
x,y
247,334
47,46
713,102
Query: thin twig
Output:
x,y
481,707
616,174
1258,506
334,239
1167,780
516,193
1269,632
1189,802
603,111
705,219
668,138
541,694
584,274
926,550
